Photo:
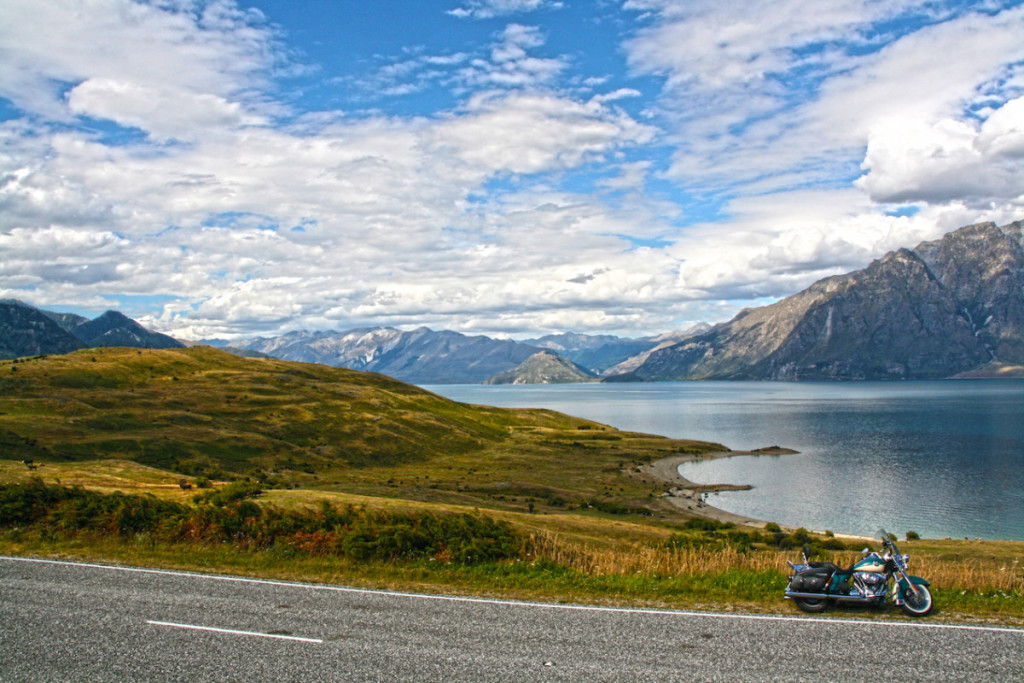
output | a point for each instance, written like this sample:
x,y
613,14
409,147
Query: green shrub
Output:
x,y
230,515
236,490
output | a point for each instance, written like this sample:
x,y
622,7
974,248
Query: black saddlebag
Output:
x,y
810,581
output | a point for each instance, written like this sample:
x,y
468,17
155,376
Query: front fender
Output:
x,y
903,587
913,579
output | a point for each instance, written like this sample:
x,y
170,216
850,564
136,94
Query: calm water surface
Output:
x,y
943,458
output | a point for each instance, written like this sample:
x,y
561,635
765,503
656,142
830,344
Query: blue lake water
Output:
x,y
943,458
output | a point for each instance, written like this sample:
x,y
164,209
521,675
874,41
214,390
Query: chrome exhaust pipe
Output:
x,y
830,596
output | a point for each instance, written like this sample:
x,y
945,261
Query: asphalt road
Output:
x,y
74,622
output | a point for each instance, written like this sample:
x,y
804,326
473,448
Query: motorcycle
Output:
x,y
872,580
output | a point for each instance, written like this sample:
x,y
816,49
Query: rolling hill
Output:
x,y
201,411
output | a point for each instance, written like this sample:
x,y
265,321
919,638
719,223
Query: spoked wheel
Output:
x,y
919,604
812,605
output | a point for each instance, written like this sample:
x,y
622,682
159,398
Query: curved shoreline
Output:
x,y
689,496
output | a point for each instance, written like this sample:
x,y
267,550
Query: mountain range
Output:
x,y
946,308
425,356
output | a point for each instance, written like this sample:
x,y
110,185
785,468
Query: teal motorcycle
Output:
x,y
874,580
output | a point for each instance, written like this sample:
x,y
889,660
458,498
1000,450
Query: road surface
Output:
x,y
64,621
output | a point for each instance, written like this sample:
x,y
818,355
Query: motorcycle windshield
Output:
x,y
889,539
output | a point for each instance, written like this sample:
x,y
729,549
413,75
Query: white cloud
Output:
x,y
530,133
252,228
488,9
218,50
510,64
951,160
464,218
164,112
758,96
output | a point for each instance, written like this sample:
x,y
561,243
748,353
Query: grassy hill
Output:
x,y
204,412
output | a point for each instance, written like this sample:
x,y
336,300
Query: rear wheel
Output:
x,y
919,604
812,605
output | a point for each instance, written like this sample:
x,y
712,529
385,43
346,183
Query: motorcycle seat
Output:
x,y
823,565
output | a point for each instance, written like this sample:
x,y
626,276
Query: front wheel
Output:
x,y
917,605
812,605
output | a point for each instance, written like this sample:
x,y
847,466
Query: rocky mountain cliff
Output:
x,y
944,308
544,367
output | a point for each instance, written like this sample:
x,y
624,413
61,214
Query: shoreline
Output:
x,y
688,496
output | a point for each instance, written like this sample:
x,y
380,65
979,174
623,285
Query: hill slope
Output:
x,y
201,411
944,308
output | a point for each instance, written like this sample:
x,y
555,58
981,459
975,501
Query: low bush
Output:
x,y
229,515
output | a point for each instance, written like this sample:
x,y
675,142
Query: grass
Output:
x,y
144,422
202,412
564,558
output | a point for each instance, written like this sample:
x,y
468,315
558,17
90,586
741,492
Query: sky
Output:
x,y
233,168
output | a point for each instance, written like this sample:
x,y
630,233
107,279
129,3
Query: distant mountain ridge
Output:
x,y
420,356
426,356
594,353
951,306
29,331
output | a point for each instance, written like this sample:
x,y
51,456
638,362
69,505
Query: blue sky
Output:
x,y
230,168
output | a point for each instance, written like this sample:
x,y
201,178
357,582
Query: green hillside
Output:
x,y
204,412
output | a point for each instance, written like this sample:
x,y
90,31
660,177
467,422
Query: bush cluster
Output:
x,y
229,515
704,533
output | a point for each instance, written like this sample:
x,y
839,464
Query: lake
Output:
x,y
942,458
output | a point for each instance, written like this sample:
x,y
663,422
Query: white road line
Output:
x,y
233,632
538,605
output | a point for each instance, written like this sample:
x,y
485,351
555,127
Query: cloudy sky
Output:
x,y
229,168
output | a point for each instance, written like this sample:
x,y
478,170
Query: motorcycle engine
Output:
x,y
873,582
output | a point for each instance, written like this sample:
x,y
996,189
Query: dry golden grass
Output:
x,y
647,559
982,572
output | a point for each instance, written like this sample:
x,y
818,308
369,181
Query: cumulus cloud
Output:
x,y
950,160
372,220
529,133
765,102
164,112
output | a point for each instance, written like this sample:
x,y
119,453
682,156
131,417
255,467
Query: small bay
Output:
x,y
942,458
